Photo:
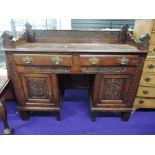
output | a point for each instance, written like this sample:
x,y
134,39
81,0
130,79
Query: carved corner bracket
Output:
x,y
126,37
8,41
142,43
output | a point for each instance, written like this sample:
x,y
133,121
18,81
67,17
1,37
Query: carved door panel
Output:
x,y
114,89
38,88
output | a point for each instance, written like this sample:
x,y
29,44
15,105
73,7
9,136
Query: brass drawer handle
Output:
x,y
147,79
27,60
56,60
141,101
94,60
123,61
150,66
154,49
145,92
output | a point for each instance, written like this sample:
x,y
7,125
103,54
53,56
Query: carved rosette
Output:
x,y
37,88
113,89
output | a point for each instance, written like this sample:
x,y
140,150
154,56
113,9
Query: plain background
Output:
x,y
77,9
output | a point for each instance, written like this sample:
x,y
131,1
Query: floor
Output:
x,y
76,120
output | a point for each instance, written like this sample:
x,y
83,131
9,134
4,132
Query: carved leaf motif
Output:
x,y
37,88
113,89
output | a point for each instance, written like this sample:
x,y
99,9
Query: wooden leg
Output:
x,y
93,116
24,115
3,115
58,116
125,116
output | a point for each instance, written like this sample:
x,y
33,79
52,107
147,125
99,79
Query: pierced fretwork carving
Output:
x,y
37,88
56,69
113,88
104,69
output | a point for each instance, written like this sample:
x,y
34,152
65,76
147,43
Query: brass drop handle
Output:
x,y
150,66
145,92
141,101
154,49
57,60
147,79
123,61
27,60
94,60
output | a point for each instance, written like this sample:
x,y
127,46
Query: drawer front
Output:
x,y
108,60
144,103
147,80
149,65
152,37
38,59
152,49
146,91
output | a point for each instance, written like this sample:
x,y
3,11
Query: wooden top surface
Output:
x,y
73,47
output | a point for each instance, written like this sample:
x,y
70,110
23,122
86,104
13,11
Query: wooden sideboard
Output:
x,y
43,63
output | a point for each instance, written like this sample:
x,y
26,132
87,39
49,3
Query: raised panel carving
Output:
x,y
113,88
37,88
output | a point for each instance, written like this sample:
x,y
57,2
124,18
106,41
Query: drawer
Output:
x,y
152,37
108,60
149,65
144,103
146,92
152,48
147,79
45,59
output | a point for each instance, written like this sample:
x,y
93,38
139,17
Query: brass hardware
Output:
x,y
150,66
57,60
94,60
141,101
123,61
145,92
147,79
154,49
27,60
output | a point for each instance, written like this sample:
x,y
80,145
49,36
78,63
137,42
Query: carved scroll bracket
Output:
x,y
142,43
126,37
8,41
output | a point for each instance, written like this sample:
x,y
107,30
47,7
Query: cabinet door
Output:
x,y
38,88
114,89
